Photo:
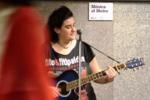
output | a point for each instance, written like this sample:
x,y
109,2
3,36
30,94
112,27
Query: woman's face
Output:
x,y
67,31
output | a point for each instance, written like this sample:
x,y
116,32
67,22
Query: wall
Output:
x,y
131,39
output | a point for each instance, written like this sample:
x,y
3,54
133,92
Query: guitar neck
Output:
x,y
92,77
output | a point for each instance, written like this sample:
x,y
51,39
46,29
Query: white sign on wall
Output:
x,y
100,11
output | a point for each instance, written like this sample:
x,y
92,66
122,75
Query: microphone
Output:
x,y
79,33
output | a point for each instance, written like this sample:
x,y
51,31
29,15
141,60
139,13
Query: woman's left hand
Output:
x,y
111,73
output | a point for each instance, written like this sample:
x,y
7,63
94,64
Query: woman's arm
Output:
x,y
110,72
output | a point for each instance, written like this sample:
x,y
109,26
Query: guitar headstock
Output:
x,y
135,63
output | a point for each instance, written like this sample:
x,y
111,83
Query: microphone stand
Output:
x,y
104,54
79,33
80,41
80,46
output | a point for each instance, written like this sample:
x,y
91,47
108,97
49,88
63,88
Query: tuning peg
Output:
x,y
126,68
137,68
134,69
118,72
141,67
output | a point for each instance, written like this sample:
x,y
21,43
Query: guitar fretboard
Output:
x,y
92,77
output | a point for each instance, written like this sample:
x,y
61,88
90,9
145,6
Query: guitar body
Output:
x,y
62,81
66,78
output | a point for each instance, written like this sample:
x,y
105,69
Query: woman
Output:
x,y
22,59
64,53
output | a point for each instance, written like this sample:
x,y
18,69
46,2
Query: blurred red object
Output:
x,y
23,73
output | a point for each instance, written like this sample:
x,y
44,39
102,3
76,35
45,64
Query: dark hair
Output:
x,y
18,2
56,20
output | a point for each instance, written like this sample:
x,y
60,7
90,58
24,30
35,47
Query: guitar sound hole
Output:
x,y
62,86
